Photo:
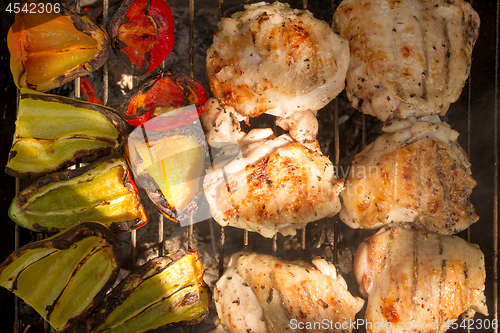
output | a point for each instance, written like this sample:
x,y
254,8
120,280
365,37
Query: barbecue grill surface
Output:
x,y
342,133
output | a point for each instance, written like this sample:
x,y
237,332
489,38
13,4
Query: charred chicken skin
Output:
x,y
418,281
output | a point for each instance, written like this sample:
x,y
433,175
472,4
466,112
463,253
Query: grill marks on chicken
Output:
x,y
259,293
272,184
409,57
416,174
284,188
278,60
415,276
281,189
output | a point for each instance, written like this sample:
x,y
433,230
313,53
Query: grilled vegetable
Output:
x,y
50,49
103,191
55,132
165,292
163,93
170,165
64,277
142,34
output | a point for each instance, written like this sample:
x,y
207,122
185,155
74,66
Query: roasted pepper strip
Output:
x,y
55,132
170,165
64,277
143,34
103,191
163,93
165,292
50,49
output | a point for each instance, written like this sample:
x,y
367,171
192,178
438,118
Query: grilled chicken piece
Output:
x,y
259,293
277,185
270,184
221,123
408,57
415,277
302,126
416,173
278,60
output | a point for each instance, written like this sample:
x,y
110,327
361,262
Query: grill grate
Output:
x,y
478,119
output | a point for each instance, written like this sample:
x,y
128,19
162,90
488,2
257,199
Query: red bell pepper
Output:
x,y
88,91
161,94
49,49
142,34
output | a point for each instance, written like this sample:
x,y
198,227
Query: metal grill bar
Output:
x,y
105,97
469,119
133,244
221,251
222,238
245,237
160,236
191,72
190,232
16,242
191,38
303,239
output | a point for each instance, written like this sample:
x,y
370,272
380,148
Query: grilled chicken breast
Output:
x,y
416,172
269,184
419,279
408,57
271,58
259,293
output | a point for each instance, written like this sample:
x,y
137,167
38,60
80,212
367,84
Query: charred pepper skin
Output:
x,y
142,33
162,93
94,253
55,202
54,132
48,50
165,292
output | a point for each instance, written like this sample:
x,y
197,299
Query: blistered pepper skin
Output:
x,y
165,292
66,276
160,94
142,33
54,132
48,50
103,191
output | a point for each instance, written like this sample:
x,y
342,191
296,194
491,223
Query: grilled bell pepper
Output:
x,y
64,277
103,191
163,93
170,165
142,33
165,292
50,49
55,132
